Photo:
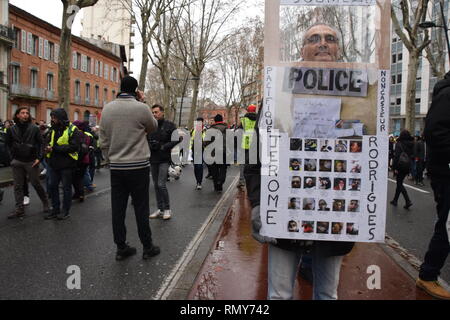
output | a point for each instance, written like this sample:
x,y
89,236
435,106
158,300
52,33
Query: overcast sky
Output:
x,y
51,11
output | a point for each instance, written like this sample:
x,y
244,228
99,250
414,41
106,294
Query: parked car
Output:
x,y
5,158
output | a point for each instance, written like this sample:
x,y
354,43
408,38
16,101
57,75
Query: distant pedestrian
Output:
x,y
124,127
197,141
403,152
62,155
437,137
419,160
161,145
83,161
219,167
248,123
26,146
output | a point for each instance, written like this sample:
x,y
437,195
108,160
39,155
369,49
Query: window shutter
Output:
x,y
24,41
106,72
41,48
56,53
74,60
83,63
96,68
46,50
30,43
100,71
92,66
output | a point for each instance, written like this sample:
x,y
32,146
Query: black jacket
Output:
x,y
252,173
160,142
437,131
60,158
400,146
222,127
25,142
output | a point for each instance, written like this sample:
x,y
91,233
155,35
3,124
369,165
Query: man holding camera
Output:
x,y
123,128
161,145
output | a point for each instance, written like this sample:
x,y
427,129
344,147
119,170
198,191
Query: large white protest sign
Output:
x,y
324,120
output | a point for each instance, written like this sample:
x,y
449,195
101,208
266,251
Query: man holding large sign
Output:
x,y
309,102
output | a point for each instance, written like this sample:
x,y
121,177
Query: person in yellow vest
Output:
x,y
62,154
248,123
198,133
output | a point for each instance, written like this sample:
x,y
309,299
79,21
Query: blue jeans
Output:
x,y
58,175
159,175
198,171
283,266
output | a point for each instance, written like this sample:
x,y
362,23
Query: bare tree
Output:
x,y
200,36
70,9
150,13
163,37
436,55
240,63
415,41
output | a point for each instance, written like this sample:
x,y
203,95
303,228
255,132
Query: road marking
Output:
x,y
408,186
171,280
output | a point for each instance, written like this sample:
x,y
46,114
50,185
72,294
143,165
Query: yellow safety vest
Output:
x,y
63,140
193,137
249,130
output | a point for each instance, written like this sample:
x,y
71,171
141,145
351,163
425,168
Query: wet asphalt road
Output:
x,y
413,228
35,254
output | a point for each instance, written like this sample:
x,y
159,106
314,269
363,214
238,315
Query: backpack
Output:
x,y
84,148
404,162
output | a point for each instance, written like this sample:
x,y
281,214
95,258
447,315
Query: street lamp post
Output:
x,y
184,92
431,24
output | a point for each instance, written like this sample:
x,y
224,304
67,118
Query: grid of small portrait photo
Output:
x,y
336,228
323,204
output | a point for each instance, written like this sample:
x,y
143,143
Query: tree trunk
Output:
x,y
193,114
65,58
413,65
144,66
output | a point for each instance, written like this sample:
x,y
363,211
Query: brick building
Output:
x,y
95,73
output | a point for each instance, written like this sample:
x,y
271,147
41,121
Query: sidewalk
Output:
x,y
236,268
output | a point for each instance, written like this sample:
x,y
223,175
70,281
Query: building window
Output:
x,y
105,95
113,95
78,61
97,93
15,75
88,65
51,51
35,46
77,89
76,116
49,82
17,33
399,78
34,79
88,92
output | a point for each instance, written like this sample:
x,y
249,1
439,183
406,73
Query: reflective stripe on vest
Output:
x,y
249,130
63,140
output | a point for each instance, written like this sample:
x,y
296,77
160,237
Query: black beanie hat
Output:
x,y
128,85
218,118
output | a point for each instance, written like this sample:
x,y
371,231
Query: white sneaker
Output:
x,y
26,201
156,214
199,187
44,172
167,214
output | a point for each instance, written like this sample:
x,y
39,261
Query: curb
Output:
x,y
408,262
182,277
